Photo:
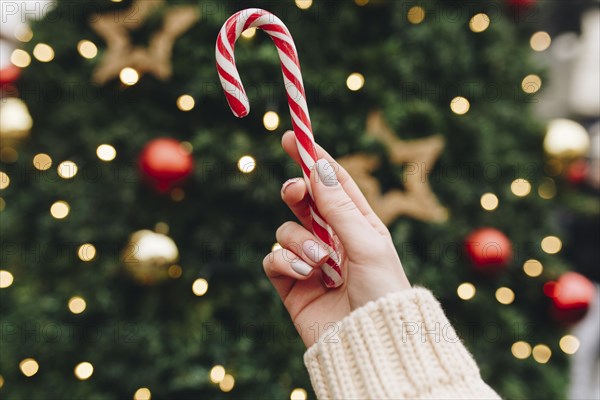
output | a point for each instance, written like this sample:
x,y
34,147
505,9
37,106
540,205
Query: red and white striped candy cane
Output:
x,y
292,77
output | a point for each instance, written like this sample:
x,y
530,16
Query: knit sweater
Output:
x,y
399,346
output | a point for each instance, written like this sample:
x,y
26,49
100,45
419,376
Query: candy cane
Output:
x,y
292,77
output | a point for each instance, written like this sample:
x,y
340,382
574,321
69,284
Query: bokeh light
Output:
x,y
533,268
460,105
83,370
551,244
479,22
355,81
521,350
106,152
87,49
466,291
200,287
77,305
489,201
246,164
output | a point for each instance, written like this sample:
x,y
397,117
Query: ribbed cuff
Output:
x,y
400,346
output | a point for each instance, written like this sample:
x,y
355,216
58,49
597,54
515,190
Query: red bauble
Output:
x,y
165,163
9,74
521,3
571,296
489,249
577,171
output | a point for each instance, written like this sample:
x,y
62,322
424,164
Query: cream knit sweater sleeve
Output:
x,y
398,347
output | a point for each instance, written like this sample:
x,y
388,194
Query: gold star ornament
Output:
x,y
417,156
155,59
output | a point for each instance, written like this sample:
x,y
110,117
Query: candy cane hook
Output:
x,y
292,77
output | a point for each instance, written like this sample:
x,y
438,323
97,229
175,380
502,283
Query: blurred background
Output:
x,y
136,209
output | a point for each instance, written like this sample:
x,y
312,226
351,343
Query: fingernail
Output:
x,y
326,173
301,267
313,250
287,183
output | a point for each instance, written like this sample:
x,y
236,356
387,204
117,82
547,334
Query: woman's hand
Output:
x,y
370,264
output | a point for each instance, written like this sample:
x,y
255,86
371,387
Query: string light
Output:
x,y
4,180
175,271
489,201
415,15
547,189
276,247
540,41
355,81
460,105
466,291
29,367
106,152
177,194
42,52
298,394
551,244
533,268
520,187
569,344
2,204
42,161
200,287
129,76
83,370
227,384
521,350
505,295
271,120
60,209
217,373
185,102
531,84
246,164
6,279
361,2
541,353
142,394
20,58
1,381
23,33
479,22
249,33
67,169
87,49
86,252
77,305
303,4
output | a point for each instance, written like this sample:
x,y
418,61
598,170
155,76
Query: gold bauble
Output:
x,y
566,139
149,255
15,121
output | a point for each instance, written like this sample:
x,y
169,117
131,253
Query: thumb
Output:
x,y
338,209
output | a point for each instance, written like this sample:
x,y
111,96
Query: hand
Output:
x,y
370,265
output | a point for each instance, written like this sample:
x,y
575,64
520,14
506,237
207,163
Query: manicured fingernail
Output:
x,y
287,183
313,251
301,267
326,173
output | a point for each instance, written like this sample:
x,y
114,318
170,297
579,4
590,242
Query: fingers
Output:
x,y
288,142
301,242
284,263
295,194
352,227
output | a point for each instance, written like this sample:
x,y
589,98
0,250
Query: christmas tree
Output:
x,y
123,277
